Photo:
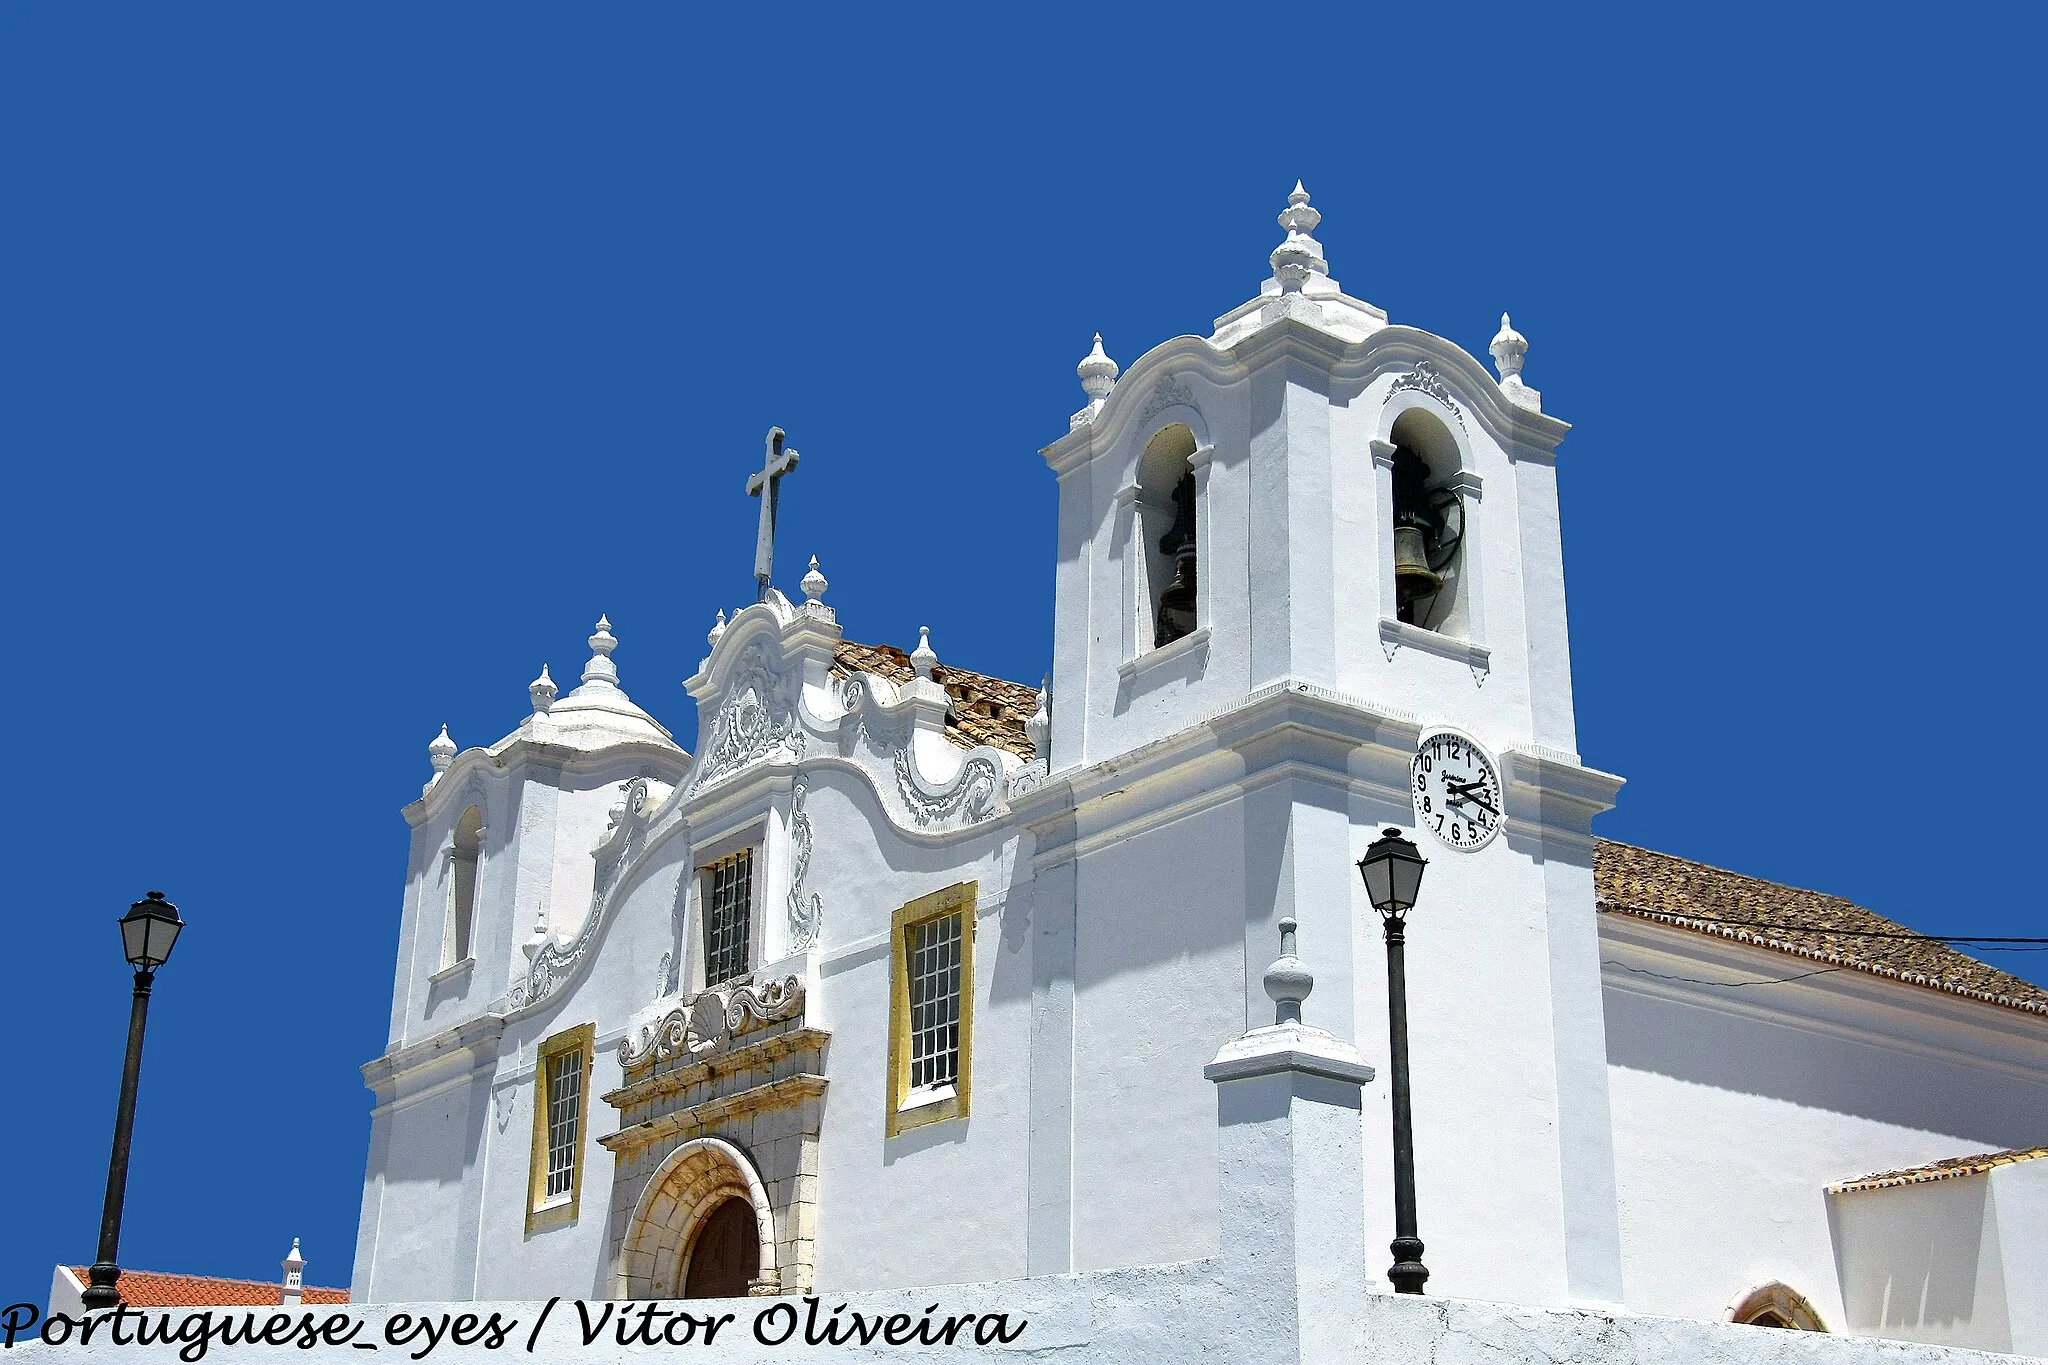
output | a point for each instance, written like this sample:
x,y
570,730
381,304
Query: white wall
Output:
x,y
1961,1261
1736,1106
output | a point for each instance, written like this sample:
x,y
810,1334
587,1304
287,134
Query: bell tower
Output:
x,y
1313,494
1288,552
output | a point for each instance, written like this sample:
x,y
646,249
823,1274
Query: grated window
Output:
x,y
728,903
934,961
565,1102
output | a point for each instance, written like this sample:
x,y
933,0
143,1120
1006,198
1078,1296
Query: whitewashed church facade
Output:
x,y
904,976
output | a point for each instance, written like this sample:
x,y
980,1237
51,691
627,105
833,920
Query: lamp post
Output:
x,y
147,932
1392,868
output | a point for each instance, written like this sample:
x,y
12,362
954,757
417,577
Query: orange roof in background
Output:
x,y
155,1289
1950,1169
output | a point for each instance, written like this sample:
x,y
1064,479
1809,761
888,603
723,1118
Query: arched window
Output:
x,y
1429,525
462,860
1166,527
1776,1305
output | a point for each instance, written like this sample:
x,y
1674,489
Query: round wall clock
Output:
x,y
1456,790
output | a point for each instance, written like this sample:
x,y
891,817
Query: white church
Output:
x,y
897,976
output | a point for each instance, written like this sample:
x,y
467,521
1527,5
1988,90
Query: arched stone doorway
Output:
x,y
688,1235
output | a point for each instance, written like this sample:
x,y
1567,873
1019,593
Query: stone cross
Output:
x,y
765,486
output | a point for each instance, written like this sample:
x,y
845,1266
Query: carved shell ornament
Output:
x,y
710,1019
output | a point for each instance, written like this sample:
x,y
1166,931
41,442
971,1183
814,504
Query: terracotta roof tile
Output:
x,y
155,1289
985,710
1940,1170
1707,900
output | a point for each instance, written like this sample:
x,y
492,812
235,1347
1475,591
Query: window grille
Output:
x,y
565,1104
728,903
934,962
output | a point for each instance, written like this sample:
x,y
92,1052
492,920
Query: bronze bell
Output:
x,y
1413,578
1177,602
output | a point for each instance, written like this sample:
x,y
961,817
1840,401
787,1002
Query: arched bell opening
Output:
x,y
1166,527
1430,587
463,855
688,1237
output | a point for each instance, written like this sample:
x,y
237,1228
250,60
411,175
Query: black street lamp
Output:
x,y
1392,868
147,932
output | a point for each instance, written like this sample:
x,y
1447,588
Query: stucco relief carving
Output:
x,y
754,720
624,838
973,794
806,914
709,1019
1165,394
1425,379
1026,780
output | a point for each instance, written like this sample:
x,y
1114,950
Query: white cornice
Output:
x,y
1390,350
1849,1002
461,1042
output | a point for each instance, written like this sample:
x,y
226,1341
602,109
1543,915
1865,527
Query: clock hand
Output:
x,y
1468,791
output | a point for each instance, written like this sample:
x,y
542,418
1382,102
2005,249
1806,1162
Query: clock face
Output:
x,y
1456,790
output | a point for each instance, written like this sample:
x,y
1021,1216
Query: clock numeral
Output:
x,y
1425,805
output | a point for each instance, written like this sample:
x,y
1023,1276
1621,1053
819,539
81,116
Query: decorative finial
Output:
x,y
601,669
814,583
1288,980
1098,373
441,752
923,657
294,1277
1301,255
1039,728
717,628
542,690
1509,346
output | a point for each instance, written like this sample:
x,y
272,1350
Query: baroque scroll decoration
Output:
x,y
971,796
1425,379
1167,393
754,721
627,834
806,914
708,1021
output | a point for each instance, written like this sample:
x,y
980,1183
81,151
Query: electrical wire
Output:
x,y
1703,981
2035,944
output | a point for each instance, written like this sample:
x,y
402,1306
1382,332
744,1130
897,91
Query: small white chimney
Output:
x,y
294,1277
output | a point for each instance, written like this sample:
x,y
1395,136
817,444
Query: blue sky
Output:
x,y
353,359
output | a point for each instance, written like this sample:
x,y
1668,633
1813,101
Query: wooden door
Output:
x,y
726,1253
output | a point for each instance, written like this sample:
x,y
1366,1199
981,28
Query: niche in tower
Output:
x,y
1166,526
1429,525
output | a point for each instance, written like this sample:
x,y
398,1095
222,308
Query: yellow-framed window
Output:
x,y
931,1008
561,1109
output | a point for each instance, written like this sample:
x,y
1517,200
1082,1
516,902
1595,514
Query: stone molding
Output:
x,y
783,1094
760,1055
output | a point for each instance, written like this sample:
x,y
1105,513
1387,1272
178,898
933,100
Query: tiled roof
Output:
x,y
154,1289
985,710
1707,900
1939,1170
